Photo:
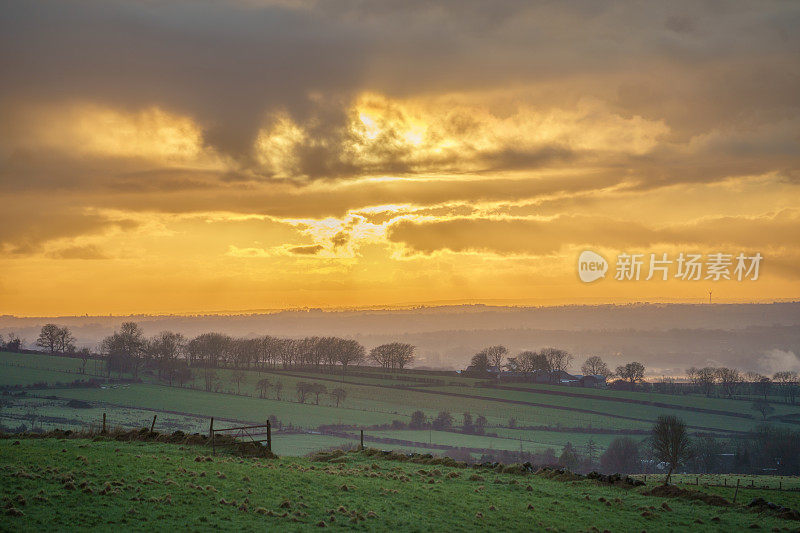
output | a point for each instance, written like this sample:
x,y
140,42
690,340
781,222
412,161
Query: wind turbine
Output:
x,y
709,295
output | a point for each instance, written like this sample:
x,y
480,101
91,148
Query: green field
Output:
x,y
684,400
458,440
545,416
74,484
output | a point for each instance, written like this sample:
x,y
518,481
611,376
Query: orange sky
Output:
x,y
200,157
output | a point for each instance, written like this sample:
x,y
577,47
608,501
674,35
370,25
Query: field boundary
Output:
x,y
622,400
565,408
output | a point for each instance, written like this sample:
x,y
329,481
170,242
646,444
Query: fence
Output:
x,y
241,433
682,479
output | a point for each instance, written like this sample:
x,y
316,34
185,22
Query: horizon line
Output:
x,y
433,304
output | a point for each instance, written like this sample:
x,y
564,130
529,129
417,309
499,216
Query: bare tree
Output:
x,y
182,373
763,386
269,349
338,394
125,346
480,424
729,379
703,378
12,344
381,355
348,351
288,351
670,443
529,361
316,389
303,388
480,362
595,366
558,360
84,354
622,455
66,341
403,354
495,355
763,407
263,385
210,379
239,377
49,338
392,355
165,349
278,389
788,385
631,372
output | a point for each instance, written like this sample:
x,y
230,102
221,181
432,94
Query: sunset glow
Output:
x,y
465,173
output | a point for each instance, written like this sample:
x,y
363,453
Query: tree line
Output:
x,y
172,355
551,360
711,381
729,382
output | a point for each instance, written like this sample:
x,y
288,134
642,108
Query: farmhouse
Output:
x,y
593,381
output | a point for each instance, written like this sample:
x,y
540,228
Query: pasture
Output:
x,y
520,417
82,484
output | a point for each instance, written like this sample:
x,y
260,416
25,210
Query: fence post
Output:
x,y
736,492
153,425
104,424
211,436
362,440
269,436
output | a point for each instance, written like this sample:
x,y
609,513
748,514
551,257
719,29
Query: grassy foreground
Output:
x,y
79,484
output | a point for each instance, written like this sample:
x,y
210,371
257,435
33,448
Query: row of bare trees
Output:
x,y
550,360
220,350
731,381
128,350
392,355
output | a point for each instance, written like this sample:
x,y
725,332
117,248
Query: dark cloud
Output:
x,y
306,250
88,251
340,239
722,78
508,236
227,64
24,230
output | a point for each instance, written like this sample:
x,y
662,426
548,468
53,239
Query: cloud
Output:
x,y
270,134
306,250
228,67
88,251
536,236
25,231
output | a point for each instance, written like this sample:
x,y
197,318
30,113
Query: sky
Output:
x,y
197,156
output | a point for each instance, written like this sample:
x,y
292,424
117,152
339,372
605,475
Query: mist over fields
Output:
x,y
667,338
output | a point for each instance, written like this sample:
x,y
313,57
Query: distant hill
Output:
x,y
665,337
